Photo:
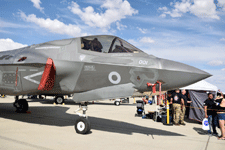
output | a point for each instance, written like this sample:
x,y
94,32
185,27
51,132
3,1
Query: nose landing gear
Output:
x,y
82,125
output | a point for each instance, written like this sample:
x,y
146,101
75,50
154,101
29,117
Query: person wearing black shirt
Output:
x,y
219,98
210,113
178,102
183,109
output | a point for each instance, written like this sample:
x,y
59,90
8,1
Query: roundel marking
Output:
x,y
117,76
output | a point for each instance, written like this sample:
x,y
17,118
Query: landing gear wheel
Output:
x,y
82,125
21,105
117,103
59,99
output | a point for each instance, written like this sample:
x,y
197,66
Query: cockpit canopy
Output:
x,y
107,44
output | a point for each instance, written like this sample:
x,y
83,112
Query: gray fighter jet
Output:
x,y
90,68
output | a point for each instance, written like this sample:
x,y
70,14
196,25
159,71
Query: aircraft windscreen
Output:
x,y
120,46
107,44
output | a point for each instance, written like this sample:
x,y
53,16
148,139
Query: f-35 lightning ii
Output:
x,y
91,68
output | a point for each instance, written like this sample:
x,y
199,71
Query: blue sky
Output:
x,y
188,31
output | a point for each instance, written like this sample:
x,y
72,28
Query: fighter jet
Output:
x,y
89,68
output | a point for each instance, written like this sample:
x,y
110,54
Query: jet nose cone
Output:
x,y
180,75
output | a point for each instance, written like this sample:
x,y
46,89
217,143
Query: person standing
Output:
x,y
221,117
153,99
210,113
183,109
178,102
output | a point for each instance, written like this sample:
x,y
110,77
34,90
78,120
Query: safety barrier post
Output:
x,y
167,112
160,93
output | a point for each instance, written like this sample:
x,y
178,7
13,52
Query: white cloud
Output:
x,y
4,24
163,8
179,8
115,10
54,26
217,79
183,7
223,39
9,44
221,3
223,69
163,15
200,8
120,26
94,2
36,4
174,13
133,42
64,2
190,55
216,63
141,41
144,31
204,8
4,31
146,40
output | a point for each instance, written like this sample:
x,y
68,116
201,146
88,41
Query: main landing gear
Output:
x,y
82,125
21,105
59,99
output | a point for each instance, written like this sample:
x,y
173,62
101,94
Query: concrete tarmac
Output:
x,y
51,127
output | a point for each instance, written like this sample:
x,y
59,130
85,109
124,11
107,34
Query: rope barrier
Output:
x,y
207,108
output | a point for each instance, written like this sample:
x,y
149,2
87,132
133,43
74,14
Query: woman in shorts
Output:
x,y
221,117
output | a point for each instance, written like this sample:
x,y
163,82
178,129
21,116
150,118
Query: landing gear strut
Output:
x,y
21,105
82,125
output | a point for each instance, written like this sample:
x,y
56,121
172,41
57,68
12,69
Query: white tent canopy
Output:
x,y
198,94
201,86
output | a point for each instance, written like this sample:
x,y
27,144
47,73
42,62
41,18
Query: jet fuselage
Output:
x,y
91,68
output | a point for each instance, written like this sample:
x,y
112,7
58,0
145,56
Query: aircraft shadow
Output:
x,y
71,102
57,116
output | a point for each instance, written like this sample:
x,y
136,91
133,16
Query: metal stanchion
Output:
x,y
168,114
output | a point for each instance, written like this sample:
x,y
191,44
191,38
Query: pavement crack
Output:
x,y
207,143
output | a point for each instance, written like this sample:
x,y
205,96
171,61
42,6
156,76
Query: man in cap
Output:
x,y
177,101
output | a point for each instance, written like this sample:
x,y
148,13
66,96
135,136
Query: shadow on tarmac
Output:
x,y
57,116
200,131
71,102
